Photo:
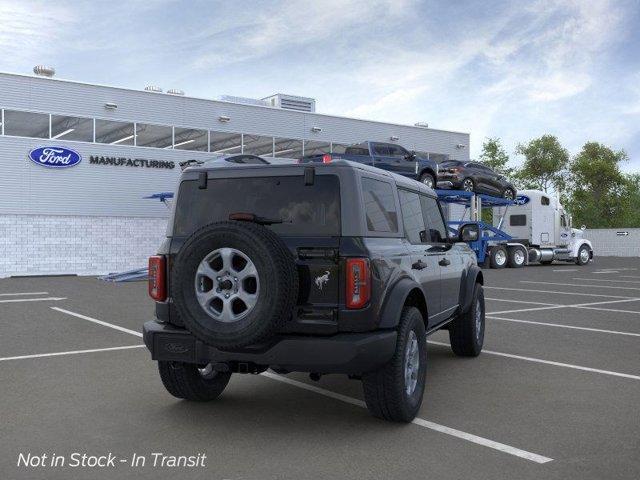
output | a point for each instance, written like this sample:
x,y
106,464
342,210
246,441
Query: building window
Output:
x,y
26,124
287,148
380,206
190,139
225,143
157,136
114,133
71,128
258,145
312,147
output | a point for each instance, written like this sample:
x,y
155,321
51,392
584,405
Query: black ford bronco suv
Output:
x,y
327,268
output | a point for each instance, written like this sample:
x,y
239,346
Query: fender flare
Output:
x,y
578,244
473,276
396,298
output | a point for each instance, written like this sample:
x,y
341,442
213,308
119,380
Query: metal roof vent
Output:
x,y
44,71
153,88
175,91
292,102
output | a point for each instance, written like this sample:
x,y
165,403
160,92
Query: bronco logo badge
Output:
x,y
322,280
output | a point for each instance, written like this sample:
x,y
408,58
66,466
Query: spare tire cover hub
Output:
x,y
227,284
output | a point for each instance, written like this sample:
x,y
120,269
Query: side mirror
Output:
x,y
469,232
410,156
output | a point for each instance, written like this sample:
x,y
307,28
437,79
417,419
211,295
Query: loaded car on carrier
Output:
x,y
329,268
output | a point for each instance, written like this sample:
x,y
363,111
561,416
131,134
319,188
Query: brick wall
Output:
x,y
83,245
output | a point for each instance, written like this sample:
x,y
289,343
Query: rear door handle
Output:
x,y
444,262
419,265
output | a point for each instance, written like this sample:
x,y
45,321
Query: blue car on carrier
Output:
x,y
387,156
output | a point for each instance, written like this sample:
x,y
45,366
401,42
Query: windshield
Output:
x,y
309,210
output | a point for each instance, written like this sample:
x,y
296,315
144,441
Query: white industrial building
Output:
x,y
92,217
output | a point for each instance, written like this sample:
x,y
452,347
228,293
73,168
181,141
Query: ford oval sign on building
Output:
x,y
55,157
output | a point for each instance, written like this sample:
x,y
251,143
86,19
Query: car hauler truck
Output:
x,y
539,221
533,228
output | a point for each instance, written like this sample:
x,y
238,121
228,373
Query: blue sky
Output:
x,y
515,70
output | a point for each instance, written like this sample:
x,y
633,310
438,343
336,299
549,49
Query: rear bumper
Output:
x,y
350,353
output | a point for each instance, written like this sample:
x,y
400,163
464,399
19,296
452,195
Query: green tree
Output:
x,y
600,193
631,217
545,164
495,156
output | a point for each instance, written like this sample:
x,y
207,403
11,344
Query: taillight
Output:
x,y
358,284
158,278
326,158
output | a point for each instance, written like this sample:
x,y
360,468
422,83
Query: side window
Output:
x,y
380,149
544,200
412,218
397,151
380,207
563,221
436,230
517,220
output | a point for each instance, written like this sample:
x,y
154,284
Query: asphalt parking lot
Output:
x,y
555,394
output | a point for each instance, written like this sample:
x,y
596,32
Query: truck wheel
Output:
x,y
428,180
188,381
583,255
395,391
466,332
517,257
498,257
234,284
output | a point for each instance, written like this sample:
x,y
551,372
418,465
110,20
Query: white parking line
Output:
x,y
528,290
521,301
606,280
605,272
567,270
609,310
99,322
581,285
549,362
577,305
20,300
23,293
72,352
629,276
485,442
573,327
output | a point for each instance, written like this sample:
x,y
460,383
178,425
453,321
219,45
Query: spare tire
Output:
x,y
234,284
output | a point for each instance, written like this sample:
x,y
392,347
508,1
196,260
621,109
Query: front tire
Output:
x,y
583,255
468,185
395,391
188,381
466,332
428,180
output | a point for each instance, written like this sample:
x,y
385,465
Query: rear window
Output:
x,y
310,210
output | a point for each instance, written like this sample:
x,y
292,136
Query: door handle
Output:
x,y
419,265
444,262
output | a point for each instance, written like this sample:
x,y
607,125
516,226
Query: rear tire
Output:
x,y
187,381
517,257
468,185
395,391
466,332
498,257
